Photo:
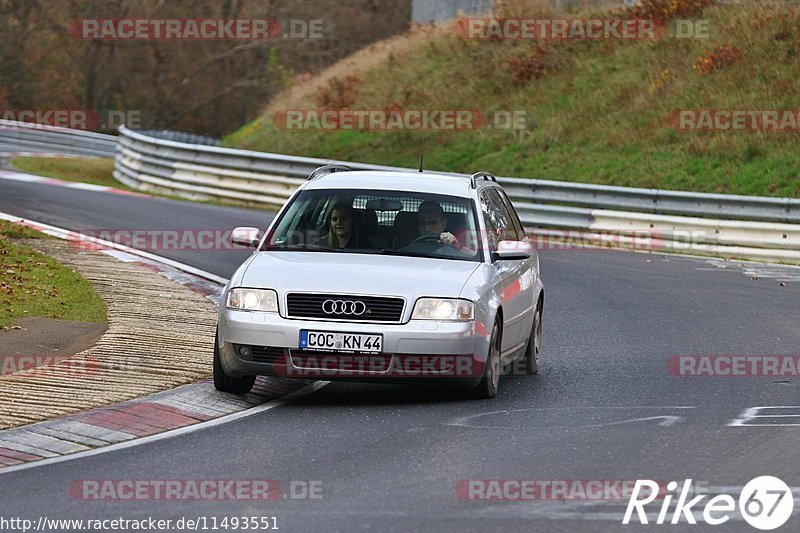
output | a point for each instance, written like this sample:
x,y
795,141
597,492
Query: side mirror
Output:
x,y
512,250
245,236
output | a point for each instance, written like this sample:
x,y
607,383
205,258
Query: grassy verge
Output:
x,y
83,169
596,111
88,170
32,284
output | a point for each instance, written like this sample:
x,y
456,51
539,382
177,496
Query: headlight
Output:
x,y
443,309
253,300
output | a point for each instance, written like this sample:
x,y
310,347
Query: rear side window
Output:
x,y
502,223
499,222
519,229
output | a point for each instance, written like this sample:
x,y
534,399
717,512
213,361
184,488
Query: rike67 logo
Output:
x,y
765,503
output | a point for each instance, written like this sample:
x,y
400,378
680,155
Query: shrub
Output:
x,y
528,68
339,94
717,58
668,9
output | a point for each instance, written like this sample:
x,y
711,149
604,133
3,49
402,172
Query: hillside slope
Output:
x,y
596,111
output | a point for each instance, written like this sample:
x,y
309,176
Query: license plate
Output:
x,y
340,342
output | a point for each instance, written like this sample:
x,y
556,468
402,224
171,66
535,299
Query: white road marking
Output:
x,y
753,413
785,273
669,420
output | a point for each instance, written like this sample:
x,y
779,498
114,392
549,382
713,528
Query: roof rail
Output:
x,y
473,180
328,169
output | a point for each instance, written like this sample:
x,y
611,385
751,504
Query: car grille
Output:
x,y
338,361
269,354
378,308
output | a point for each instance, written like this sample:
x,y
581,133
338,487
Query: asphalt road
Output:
x,y
91,211
389,457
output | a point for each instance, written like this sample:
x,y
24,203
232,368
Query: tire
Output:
x,y
531,359
225,382
487,388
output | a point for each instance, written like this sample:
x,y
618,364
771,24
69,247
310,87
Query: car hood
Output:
x,y
346,273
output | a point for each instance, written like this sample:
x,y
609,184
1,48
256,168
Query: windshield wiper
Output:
x,y
390,251
273,248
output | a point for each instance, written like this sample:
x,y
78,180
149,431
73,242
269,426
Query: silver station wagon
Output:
x,y
384,276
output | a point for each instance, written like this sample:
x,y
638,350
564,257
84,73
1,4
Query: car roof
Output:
x,y
432,182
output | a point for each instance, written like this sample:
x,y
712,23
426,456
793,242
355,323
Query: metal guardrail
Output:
x,y
201,172
181,137
656,201
715,224
554,203
709,224
35,138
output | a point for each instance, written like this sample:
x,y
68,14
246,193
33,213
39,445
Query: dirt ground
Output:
x,y
48,337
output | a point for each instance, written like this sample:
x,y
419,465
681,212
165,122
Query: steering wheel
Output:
x,y
424,238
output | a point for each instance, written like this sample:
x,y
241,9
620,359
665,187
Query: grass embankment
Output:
x,y
32,284
83,169
597,111
89,170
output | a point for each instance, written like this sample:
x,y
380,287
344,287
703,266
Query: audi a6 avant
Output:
x,y
391,276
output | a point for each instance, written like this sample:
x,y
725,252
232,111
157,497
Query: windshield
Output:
x,y
379,222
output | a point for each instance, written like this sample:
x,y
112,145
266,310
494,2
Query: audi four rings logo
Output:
x,y
344,307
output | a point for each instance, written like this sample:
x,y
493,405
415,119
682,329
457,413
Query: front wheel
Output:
x,y
225,382
487,388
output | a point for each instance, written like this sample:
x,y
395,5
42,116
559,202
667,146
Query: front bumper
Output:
x,y
419,350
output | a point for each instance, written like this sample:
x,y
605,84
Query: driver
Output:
x,y
431,221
